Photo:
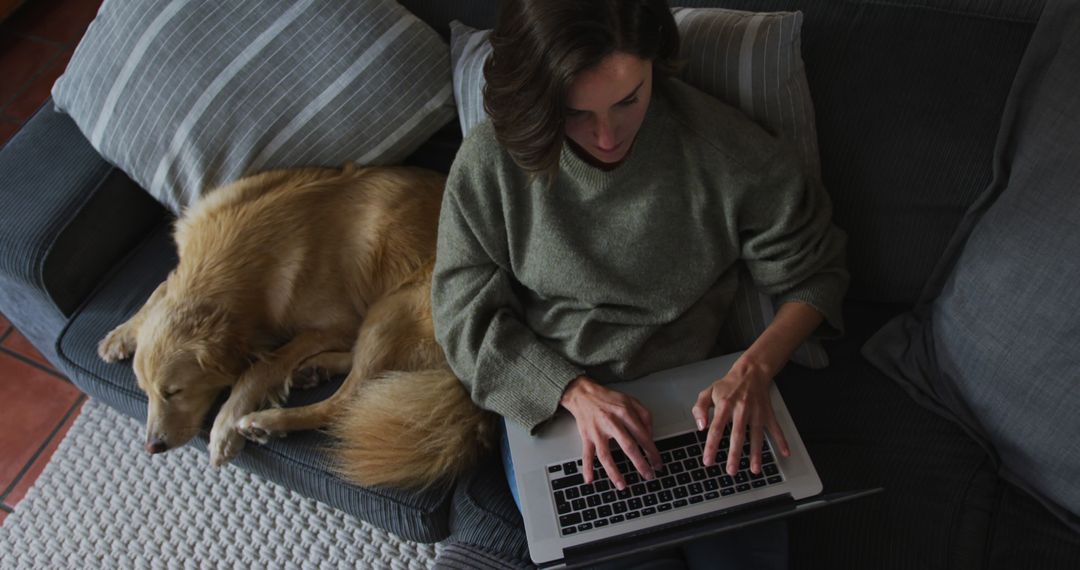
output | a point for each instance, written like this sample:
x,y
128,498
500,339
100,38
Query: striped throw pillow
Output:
x,y
750,60
188,95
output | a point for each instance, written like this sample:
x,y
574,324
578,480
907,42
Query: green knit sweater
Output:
x,y
621,273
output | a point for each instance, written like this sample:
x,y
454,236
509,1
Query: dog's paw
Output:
x,y
116,346
308,377
225,444
250,428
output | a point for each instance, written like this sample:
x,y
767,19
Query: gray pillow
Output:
x,y
752,61
995,345
185,96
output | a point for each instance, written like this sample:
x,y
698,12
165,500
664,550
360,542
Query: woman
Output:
x,y
591,232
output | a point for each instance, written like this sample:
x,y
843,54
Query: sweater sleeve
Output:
x,y
476,312
793,250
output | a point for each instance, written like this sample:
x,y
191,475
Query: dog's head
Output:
x,y
185,358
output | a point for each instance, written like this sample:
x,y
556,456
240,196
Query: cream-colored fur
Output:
x,y
289,277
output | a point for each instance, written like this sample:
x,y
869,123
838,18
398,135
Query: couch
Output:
x,y
908,95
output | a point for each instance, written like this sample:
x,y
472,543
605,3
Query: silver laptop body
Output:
x,y
669,395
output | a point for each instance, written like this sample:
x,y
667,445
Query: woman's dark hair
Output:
x,y
539,46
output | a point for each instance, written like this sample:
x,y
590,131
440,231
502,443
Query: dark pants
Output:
x,y
763,546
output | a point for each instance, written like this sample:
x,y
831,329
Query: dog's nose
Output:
x,y
156,446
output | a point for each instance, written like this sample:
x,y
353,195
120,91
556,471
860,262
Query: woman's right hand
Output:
x,y
602,415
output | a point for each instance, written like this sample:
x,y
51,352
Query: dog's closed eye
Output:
x,y
171,392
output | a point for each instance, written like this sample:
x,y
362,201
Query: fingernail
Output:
x,y
700,424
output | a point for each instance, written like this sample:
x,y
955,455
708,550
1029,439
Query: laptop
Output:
x,y
571,524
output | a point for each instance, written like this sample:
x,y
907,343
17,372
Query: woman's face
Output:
x,y
606,105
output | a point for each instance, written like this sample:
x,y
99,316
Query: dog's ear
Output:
x,y
212,337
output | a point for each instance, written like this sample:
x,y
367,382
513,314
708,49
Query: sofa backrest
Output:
x,y
908,97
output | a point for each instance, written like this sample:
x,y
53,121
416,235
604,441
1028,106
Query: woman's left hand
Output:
x,y
741,398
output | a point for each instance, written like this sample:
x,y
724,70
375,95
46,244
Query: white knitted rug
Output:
x,y
103,503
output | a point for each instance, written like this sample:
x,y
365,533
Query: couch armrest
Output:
x,y
66,217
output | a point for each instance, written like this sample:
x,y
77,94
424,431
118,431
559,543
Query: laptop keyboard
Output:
x,y
683,481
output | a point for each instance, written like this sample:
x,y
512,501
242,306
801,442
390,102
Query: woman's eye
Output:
x,y
573,113
628,102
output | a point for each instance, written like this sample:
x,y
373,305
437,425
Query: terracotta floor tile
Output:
x,y
16,342
20,61
34,402
37,92
62,21
28,478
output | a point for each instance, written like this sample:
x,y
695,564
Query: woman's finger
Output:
x,y
608,462
757,435
700,411
630,448
779,441
738,432
586,458
716,432
648,444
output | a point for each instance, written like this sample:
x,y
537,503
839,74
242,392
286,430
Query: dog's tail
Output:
x,y
411,430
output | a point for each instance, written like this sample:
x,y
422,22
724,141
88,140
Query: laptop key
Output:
x,y
619,507
587,489
650,500
563,508
570,519
756,476
678,454
696,489
664,507
571,493
602,485
767,457
683,478
584,526
648,511
608,497
775,479
624,494
727,491
632,478
743,487
680,503
554,468
569,530
578,504
771,469
741,477
677,441
714,470
634,503
604,511
694,462
593,500
698,498
711,485
665,496
758,483
665,457
632,515
711,495
569,468
617,519
639,489
681,492
600,523
654,485
726,481
567,482
699,474
589,514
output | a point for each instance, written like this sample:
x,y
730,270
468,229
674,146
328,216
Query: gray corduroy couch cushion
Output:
x,y
996,344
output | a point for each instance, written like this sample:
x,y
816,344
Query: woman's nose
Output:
x,y
605,134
